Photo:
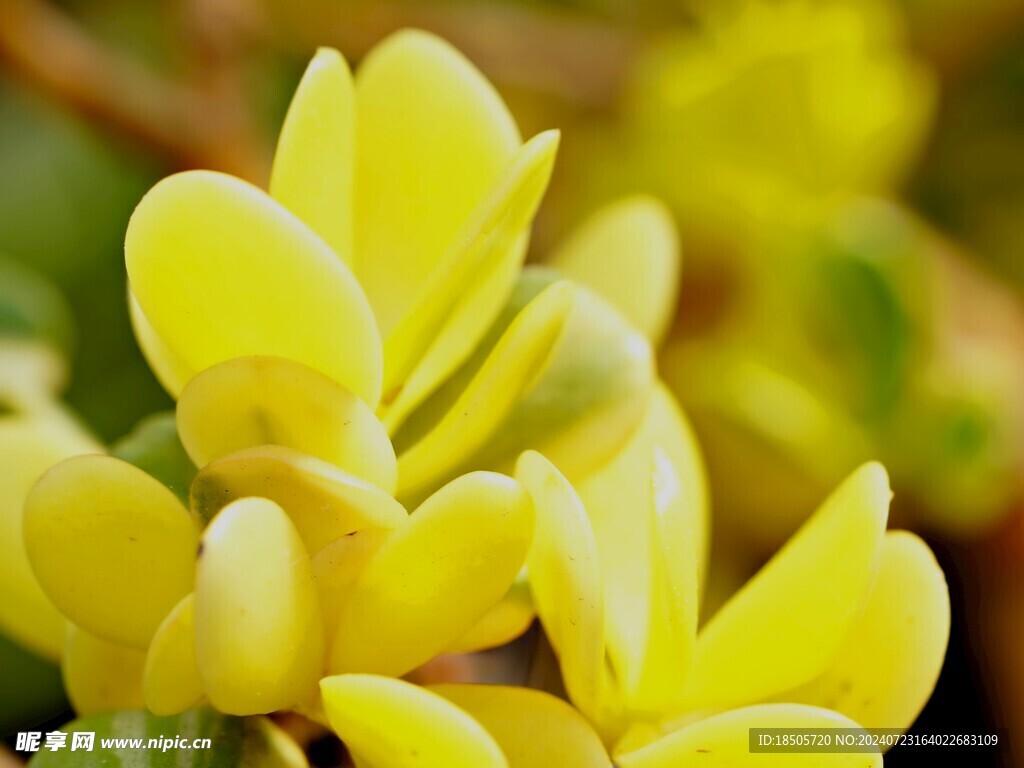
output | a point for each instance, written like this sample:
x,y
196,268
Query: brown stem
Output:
x,y
188,125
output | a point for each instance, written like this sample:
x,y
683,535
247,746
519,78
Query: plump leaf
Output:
x,y
785,626
259,636
100,675
170,679
436,576
314,166
113,548
389,722
532,728
324,503
628,253
205,251
252,401
432,137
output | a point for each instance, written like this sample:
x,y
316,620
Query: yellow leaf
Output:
x,y
506,621
170,679
453,310
220,270
259,638
251,401
436,576
628,252
388,723
314,166
785,626
432,137
889,661
100,675
534,729
170,370
113,548
723,741
509,370
29,447
338,566
324,503
565,578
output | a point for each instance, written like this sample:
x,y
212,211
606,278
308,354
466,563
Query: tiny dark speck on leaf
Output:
x,y
132,538
199,552
703,751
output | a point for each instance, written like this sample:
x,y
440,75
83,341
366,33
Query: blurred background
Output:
x,y
848,181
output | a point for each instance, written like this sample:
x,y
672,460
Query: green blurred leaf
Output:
x,y
154,447
31,690
31,307
254,742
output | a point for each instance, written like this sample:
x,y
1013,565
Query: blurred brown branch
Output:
x,y
194,126
577,58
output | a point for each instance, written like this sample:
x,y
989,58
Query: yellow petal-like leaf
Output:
x,y
171,371
436,576
890,659
314,166
432,136
785,626
251,401
259,638
628,252
565,577
513,365
723,741
221,270
532,728
338,566
590,397
324,503
506,621
113,548
648,507
29,447
388,723
170,680
470,285
100,675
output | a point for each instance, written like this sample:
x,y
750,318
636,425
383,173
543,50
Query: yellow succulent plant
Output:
x,y
391,239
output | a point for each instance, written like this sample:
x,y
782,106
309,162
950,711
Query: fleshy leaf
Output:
x,y
509,370
890,659
314,166
113,548
388,722
506,621
470,285
628,253
532,728
220,270
170,680
100,675
723,741
785,626
648,507
436,576
154,447
338,566
590,396
253,742
29,448
253,401
259,639
171,371
565,578
324,503
432,137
